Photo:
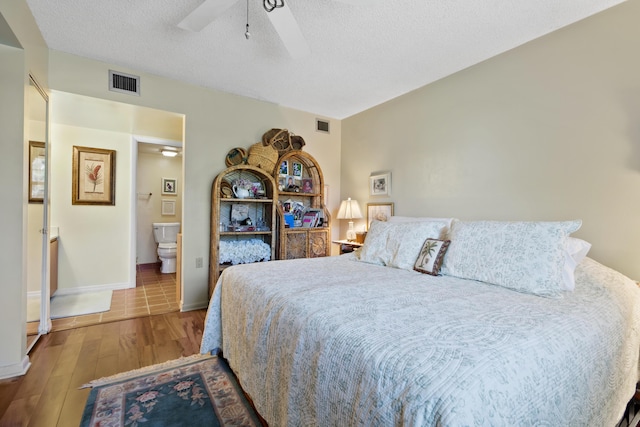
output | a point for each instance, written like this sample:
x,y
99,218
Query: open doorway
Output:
x,y
97,243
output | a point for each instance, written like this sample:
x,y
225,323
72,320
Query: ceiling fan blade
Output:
x,y
289,31
204,14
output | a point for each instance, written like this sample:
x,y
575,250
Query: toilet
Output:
x,y
166,235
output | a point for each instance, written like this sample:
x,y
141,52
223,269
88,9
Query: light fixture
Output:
x,y
350,209
169,153
269,5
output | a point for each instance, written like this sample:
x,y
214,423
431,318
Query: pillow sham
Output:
x,y
397,244
574,252
524,256
431,256
398,219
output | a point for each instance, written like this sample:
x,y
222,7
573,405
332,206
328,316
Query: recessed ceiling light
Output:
x,y
168,153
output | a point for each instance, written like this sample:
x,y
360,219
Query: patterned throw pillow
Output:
x,y
431,256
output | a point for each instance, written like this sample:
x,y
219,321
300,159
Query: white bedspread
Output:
x,y
335,342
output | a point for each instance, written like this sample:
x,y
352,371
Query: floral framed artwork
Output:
x,y
380,185
36,171
93,176
169,186
379,212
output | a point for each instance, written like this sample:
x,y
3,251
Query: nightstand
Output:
x,y
347,246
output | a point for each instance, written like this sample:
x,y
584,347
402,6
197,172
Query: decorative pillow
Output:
x,y
524,256
397,244
574,251
431,256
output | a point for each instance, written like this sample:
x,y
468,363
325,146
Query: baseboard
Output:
x,y
195,306
95,288
15,370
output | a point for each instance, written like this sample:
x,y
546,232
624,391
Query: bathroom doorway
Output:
x,y
159,166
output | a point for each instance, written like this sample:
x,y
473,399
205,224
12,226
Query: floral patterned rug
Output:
x,y
192,391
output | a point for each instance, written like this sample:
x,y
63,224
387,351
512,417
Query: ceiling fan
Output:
x,y
279,14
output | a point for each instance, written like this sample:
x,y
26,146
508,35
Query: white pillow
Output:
x,y
574,251
397,244
420,219
524,256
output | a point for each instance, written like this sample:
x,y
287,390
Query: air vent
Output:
x,y
124,83
322,126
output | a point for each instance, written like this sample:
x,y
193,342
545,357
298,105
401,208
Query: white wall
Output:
x,y
15,64
94,241
150,171
547,131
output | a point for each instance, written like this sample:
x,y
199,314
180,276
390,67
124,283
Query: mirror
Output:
x,y
37,240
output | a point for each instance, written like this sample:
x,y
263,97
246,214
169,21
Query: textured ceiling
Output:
x,y
361,55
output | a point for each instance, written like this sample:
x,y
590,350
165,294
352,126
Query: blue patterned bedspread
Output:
x,y
336,342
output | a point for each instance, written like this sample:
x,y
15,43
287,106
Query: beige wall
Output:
x,y
215,122
151,169
94,241
547,131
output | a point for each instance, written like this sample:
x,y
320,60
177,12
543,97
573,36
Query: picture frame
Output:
x,y
307,185
296,170
379,212
93,179
36,171
380,185
169,187
168,207
284,168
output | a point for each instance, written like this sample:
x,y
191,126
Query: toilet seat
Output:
x,y
167,245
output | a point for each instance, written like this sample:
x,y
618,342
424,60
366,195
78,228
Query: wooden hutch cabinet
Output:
x,y
247,219
303,222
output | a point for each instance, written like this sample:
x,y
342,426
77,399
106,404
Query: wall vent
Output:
x,y
124,83
322,126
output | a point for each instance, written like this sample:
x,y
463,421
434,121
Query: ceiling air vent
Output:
x,y
124,83
322,126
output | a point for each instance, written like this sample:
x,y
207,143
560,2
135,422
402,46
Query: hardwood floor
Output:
x,y
62,361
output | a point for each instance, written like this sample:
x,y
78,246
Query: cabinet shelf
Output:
x,y
224,205
301,242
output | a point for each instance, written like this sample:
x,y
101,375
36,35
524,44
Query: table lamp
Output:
x,y
349,209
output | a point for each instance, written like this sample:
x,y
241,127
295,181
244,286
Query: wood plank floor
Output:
x,y
62,361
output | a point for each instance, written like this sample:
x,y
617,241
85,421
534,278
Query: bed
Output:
x,y
343,340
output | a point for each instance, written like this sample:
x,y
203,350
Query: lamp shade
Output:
x,y
349,209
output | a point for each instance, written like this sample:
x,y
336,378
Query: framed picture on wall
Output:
x,y
36,171
169,186
168,207
380,185
93,176
378,212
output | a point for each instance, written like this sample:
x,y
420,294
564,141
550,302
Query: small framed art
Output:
x,y
379,212
93,176
168,207
36,171
169,186
380,185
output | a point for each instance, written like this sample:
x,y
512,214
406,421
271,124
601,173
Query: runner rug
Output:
x,y
199,390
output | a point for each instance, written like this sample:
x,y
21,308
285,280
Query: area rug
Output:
x,y
198,390
70,305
